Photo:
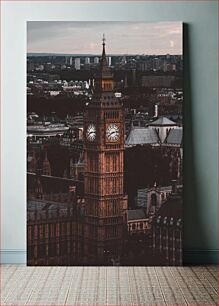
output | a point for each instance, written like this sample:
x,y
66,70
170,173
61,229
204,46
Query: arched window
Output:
x,y
153,199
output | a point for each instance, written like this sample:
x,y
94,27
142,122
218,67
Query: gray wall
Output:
x,y
200,173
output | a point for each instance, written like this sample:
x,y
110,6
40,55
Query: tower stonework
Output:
x,y
105,202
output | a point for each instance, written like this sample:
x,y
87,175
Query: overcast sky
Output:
x,y
121,37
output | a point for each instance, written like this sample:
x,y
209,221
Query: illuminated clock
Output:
x,y
112,132
91,132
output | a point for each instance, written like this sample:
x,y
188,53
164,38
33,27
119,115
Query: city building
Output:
x,y
167,230
157,80
162,126
40,131
174,138
142,136
31,161
151,199
77,63
55,230
109,60
96,60
77,168
80,159
87,61
138,222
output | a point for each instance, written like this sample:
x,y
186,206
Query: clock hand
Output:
x,y
112,133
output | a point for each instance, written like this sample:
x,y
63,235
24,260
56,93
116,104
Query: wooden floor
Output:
x,y
21,285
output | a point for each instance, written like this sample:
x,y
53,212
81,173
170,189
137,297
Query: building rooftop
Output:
x,y
52,184
162,121
44,209
136,214
59,127
36,204
175,136
171,212
141,135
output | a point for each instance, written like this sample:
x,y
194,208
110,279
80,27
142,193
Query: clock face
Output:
x,y
91,132
112,132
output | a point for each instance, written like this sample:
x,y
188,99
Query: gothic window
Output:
x,y
30,253
114,162
57,229
114,204
63,248
112,115
41,250
63,233
108,185
107,163
46,230
52,233
114,231
111,232
29,233
52,249
114,185
68,228
41,232
96,209
153,199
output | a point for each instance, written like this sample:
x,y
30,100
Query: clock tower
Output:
x,y
105,202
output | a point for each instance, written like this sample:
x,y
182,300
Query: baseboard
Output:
x,y
190,257
12,256
200,257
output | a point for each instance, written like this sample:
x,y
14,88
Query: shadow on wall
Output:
x,y
194,232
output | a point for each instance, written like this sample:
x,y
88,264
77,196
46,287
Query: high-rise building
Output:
x,y
109,59
77,63
70,61
96,60
124,61
105,202
156,63
87,60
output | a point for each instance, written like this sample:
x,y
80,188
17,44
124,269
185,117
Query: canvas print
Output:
x,y
104,143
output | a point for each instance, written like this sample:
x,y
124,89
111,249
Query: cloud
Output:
x,y
172,44
121,37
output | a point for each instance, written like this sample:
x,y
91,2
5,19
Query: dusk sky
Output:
x,y
121,37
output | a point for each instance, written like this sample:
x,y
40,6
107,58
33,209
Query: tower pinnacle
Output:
x,y
104,39
103,52
104,77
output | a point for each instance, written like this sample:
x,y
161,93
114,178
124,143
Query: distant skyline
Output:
x,y
121,37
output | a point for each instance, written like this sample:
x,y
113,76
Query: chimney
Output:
x,y
174,186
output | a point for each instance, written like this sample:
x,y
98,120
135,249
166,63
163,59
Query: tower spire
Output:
x,y
103,59
104,77
104,52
